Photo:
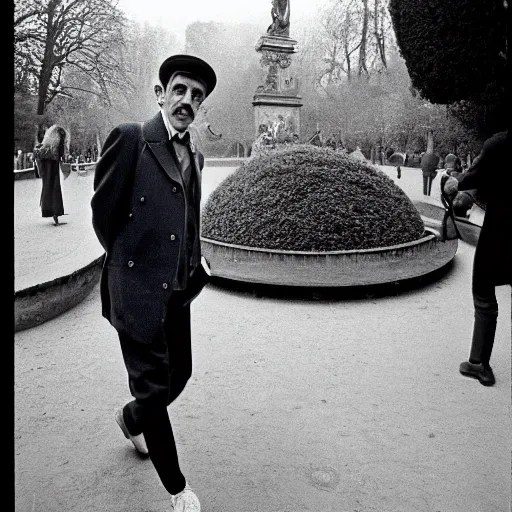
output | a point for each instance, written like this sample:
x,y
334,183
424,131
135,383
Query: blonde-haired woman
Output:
x,y
47,155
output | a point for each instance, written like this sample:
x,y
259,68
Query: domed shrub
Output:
x,y
305,198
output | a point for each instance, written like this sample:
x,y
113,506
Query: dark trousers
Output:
x,y
427,185
484,327
157,374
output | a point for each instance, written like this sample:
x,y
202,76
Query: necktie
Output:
x,y
181,140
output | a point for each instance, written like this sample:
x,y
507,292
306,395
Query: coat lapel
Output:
x,y
162,152
156,136
197,167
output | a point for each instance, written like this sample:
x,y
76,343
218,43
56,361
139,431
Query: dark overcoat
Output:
x,y
429,164
491,175
138,214
48,169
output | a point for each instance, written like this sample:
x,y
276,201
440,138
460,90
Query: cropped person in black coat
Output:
x,y
491,176
147,192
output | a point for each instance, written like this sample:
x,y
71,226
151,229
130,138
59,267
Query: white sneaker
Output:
x,y
138,441
185,501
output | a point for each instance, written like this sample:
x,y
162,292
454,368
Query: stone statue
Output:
x,y
280,18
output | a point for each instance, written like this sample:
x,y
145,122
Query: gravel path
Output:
x,y
294,406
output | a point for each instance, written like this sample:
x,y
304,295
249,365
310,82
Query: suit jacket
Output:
x,y
139,214
491,175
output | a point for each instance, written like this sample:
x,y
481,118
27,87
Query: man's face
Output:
x,y
181,100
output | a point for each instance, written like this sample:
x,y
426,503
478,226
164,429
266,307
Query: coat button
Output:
x,y
130,263
165,286
174,189
142,199
173,237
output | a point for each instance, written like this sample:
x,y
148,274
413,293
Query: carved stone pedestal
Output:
x,y
277,102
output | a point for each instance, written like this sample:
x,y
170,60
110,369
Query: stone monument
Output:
x,y
277,102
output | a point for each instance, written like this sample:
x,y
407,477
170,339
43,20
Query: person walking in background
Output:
x,y
18,160
30,160
47,156
397,159
490,175
429,164
145,212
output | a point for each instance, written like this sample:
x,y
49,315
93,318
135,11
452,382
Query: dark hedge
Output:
x,y
454,50
306,198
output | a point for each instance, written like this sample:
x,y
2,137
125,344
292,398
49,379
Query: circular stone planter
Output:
x,y
432,216
40,303
352,268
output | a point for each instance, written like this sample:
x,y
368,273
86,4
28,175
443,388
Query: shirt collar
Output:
x,y
170,129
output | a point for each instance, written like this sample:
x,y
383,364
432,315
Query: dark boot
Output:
x,y
478,366
489,333
478,371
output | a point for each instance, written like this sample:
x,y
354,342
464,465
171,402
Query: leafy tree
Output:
x,y
456,51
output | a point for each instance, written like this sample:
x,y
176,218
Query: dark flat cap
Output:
x,y
189,64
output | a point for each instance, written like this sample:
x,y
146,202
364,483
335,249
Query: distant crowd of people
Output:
x,y
91,155
25,159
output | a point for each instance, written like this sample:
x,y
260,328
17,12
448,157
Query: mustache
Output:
x,y
186,108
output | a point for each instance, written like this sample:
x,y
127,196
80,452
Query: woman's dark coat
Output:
x,y
48,168
491,175
138,214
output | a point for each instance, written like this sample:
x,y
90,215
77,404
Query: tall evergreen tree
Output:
x,y
456,54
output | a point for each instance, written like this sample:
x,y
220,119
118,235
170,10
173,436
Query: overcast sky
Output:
x,y
177,14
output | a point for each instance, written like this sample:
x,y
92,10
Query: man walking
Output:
x,y
429,165
145,212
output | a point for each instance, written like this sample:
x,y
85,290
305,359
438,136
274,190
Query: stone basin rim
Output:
x,y
428,237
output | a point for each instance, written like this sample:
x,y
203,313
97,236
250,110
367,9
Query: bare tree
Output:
x,y
382,30
51,36
361,67
340,40
355,38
